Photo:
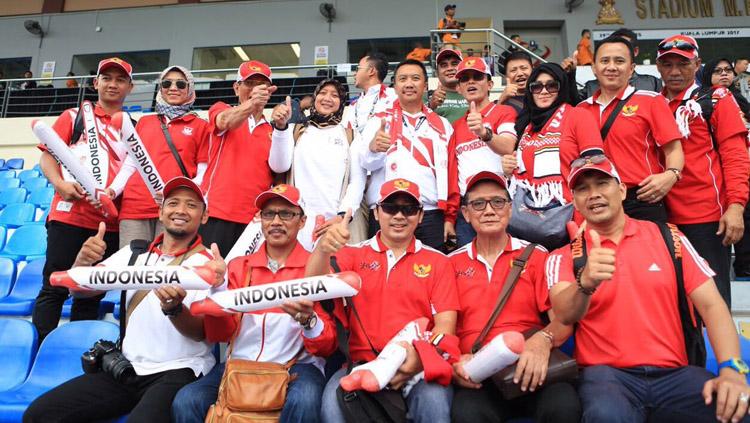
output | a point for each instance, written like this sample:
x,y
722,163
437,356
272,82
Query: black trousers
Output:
x,y
637,209
223,232
430,231
97,396
742,250
556,403
708,245
63,243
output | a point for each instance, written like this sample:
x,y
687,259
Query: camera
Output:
x,y
461,25
106,356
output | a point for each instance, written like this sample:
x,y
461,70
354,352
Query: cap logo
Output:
x,y
470,63
401,184
422,270
255,68
629,110
279,189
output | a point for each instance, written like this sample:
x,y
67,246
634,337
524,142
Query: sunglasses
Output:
x,y
719,71
582,161
552,87
167,84
678,44
405,209
472,76
285,215
496,203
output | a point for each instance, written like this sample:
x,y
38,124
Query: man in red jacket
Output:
x,y
708,202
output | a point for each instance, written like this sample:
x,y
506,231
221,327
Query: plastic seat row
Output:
x,y
20,294
40,196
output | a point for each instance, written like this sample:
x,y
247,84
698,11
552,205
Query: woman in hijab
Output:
x,y
323,167
554,133
174,124
720,73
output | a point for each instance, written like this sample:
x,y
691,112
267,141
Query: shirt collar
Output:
x,y
513,244
377,244
683,95
154,247
99,111
297,258
622,94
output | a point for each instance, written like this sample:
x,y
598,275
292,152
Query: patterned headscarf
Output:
x,y
172,111
321,121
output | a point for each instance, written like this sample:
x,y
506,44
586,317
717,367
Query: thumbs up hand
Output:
x,y
217,264
600,265
382,141
475,123
337,235
93,249
282,113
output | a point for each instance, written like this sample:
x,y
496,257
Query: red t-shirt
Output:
x,y
190,137
711,179
81,213
479,285
544,157
644,125
238,168
394,291
468,155
633,319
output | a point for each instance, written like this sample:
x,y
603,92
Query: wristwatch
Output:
x,y
310,323
737,364
677,172
174,311
488,137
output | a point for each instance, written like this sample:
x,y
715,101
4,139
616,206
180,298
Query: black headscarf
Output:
x,y
537,116
321,121
708,71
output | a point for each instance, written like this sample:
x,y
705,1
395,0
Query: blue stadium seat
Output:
x,y
110,301
712,364
12,195
3,236
33,184
41,197
26,243
2,164
17,348
21,299
15,163
18,214
24,175
41,217
7,173
58,360
104,306
7,275
6,183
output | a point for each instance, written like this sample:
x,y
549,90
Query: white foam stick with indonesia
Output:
x,y
115,278
249,240
271,295
64,155
496,355
138,152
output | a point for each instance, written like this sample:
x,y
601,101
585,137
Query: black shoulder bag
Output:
x,y
172,148
612,116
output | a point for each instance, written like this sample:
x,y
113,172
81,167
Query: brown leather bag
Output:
x,y
250,391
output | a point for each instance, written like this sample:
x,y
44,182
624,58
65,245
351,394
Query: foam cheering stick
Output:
x,y
496,355
113,278
249,240
138,152
270,295
373,376
64,155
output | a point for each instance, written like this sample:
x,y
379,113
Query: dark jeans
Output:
x,y
63,243
96,396
556,403
742,250
303,397
708,245
223,232
643,394
430,231
642,210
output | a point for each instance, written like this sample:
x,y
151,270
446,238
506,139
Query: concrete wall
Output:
x,y
181,28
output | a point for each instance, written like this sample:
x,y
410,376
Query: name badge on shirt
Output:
x,y
64,206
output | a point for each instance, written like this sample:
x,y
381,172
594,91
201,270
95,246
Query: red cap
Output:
x,y
447,52
115,62
681,45
399,185
283,191
182,182
598,163
253,67
486,175
473,63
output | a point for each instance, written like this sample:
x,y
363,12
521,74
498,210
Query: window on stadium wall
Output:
x,y
142,61
230,57
395,49
15,67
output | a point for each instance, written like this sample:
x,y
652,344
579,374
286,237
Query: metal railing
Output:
x,y
493,38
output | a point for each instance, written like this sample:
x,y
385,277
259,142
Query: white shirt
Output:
x,y
152,343
376,99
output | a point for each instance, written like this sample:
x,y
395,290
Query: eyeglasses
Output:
x,y
552,87
678,44
719,71
284,215
167,84
497,203
471,76
405,209
582,161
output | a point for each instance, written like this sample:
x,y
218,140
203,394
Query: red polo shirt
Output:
x,y
238,168
633,319
479,286
711,179
394,291
644,125
468,155
81,213
190,137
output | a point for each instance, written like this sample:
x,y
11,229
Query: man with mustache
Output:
x,y
518,67
446,101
